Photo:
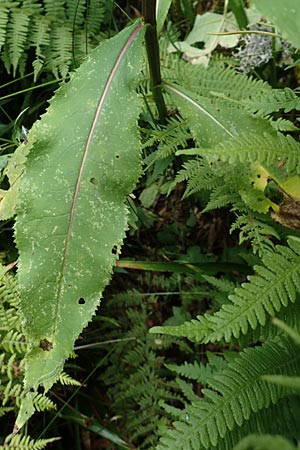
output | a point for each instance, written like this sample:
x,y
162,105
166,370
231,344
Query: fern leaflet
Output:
x,y
235,396
275,285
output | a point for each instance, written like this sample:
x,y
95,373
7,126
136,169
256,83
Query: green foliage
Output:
x,y
135,385
89,193
13,345
13,348
13,171
284,16
19,442
68,183
216,81
274,286
57,31
235,395
170,138
255,229
265,442
278,99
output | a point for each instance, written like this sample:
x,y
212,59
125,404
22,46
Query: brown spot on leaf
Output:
x,y
46,345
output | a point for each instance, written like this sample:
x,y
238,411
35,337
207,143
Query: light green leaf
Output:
x,y
148,195
264,442
284,15
13,171
282,380
282,325
84,159
162,8
203,28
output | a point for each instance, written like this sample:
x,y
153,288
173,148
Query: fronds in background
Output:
x,y
60,33
19,442
134,376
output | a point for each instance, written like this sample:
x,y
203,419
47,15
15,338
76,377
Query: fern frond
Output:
x,y
14,341
281,418
12,391
3,22
135,385
222,288
55,28
257,231
17,31
277,99
283,125
222,285
43,403
75,11
65,379
39,38
9,291
170,137
18,442
187,390
216,79
235,396
59,53
55,9
199,175
269,150
274,286
221,196
196,371
8,317
95,15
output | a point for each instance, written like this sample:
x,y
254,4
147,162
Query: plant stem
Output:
x,y
149,14
239,11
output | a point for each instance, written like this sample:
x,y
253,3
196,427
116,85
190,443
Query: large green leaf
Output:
x,y
84,159
214,120
284,15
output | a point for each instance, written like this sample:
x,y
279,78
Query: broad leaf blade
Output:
x,y
284,15
214,120
84,160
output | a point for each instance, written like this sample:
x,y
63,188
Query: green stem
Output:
x,y
238,9
149,14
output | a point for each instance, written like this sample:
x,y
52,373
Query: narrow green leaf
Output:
x,y
84,159
281,380
239,12
184,267
288,330
95,427
162,8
